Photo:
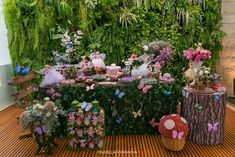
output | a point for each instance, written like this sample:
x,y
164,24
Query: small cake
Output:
x,y
112,71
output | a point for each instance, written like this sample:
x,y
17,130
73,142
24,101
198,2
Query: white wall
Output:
x,y
5,65
4,51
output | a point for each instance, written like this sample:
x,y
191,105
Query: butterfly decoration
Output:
x,y
86,106
167,93
144,87
153,123
212,126
198,107
119,120
218,96
185,93
100,143
177,135
20,70
136,114
41,130
119,93
89,88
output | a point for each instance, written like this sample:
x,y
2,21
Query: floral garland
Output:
x,y
86,125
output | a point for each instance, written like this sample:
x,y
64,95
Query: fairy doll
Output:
x,y
51,76
98,59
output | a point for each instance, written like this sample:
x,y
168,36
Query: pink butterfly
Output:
x,y
153,123
144,87
177,135
212,127
92,87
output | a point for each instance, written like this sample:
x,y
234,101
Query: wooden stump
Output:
x,y
205,115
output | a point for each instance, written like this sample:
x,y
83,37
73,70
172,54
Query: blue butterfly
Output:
x,y
25,71
20,70
167,93
185,93
217,97
119,94
119,120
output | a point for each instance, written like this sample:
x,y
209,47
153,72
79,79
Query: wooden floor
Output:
x,y
115,146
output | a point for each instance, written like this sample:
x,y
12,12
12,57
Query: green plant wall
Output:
x,y
115,27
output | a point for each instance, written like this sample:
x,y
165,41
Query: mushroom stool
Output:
x,y
173,129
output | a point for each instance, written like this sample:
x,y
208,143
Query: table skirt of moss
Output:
x,y
128,110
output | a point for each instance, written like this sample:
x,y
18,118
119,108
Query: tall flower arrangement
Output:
x,y
198,54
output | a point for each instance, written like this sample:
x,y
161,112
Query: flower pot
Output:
x,y
173,144
197,65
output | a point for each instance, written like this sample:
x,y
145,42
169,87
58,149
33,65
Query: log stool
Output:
x,y
205,113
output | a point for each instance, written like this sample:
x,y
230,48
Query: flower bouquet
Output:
x,y
197,56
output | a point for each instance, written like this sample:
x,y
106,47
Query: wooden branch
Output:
x,y
21,79
24,92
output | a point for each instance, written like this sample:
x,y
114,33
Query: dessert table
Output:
x,y
205,113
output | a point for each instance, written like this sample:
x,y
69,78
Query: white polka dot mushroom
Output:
x,y
173,128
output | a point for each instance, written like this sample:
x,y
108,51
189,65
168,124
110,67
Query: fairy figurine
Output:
x,y
51,76
98,59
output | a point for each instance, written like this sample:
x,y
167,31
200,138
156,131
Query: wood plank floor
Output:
x,y
115,146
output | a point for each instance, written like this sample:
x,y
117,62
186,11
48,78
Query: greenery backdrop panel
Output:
x,y
115,27
128,110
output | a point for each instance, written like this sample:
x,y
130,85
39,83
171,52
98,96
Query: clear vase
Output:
x,y
197,65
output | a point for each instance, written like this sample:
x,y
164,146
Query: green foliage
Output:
x,y
154,104
115,27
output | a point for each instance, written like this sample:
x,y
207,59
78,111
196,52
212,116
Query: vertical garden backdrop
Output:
x,y
115,27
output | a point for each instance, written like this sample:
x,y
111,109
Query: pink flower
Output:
x,y
51,91
79,132
55,96
90,132
71,116
145,90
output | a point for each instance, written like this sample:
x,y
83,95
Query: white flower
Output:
x,y
145,48
200,73
46,99
48,114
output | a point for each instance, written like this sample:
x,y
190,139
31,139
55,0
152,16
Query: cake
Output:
x,y
113,70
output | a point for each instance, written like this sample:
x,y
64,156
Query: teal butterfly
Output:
x,y
198,107
167,93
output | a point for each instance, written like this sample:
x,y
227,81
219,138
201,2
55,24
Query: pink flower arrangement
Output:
x,y
197,55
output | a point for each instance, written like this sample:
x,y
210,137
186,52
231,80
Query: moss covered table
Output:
x,y
205,113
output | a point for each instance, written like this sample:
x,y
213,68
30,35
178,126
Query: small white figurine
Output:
x,y
98,59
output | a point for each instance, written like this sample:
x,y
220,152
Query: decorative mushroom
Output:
x,y
173,126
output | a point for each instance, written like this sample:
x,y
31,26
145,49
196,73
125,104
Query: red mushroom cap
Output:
x,y
173,126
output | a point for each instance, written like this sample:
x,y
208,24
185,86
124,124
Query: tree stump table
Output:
x,y
205,113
